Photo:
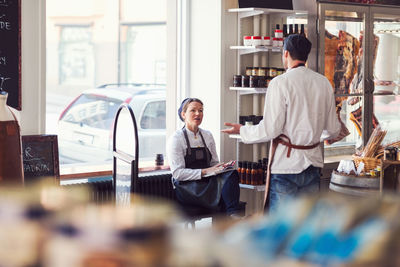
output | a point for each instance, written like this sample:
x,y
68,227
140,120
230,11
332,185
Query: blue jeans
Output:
x,y
286,186
231,193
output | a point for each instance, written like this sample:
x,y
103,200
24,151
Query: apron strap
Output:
x,y
206,148
281,140
274,144
189,149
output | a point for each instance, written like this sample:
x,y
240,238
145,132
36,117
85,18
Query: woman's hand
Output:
x,y
235,128
212,169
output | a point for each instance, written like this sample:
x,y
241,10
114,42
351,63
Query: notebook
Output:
x,y
227,167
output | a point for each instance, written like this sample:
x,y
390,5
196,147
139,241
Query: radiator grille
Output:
x,y
100,189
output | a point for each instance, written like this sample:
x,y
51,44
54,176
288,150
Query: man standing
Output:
x,y
299,113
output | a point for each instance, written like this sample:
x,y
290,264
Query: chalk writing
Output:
x,y
3,61
4,2
38,167
5,25
28,156
2,80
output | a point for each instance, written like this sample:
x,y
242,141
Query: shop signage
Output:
x,y
10,51
371,2
281,4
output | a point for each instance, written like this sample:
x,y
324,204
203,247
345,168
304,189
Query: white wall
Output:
x,y
205,60
211,66
33,69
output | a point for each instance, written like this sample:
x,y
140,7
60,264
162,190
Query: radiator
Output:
x,y
100,189
154,185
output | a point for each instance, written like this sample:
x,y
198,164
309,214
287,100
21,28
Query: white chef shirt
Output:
x,y
176,152
299,104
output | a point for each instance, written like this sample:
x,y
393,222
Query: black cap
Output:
x,y
298,46
180,109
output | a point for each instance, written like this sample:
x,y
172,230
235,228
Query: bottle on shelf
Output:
x,y
290,29
239,170
278,32
248,173
260,172
285,31
302,32
296,28
254,172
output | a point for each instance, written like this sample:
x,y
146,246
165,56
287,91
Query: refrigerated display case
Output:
x,y
359,52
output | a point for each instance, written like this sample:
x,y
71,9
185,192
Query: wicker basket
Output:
x,y
369,163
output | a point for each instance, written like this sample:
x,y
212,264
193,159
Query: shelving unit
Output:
x,y
255,21
244,50
263,55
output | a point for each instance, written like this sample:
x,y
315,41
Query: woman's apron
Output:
x,y
207,191
11,168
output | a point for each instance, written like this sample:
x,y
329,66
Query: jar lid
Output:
x,y
275,39
278,30
247,37
257,37
266,37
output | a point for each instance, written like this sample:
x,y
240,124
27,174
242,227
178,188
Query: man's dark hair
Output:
x,y
298,46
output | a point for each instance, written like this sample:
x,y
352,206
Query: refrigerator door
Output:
x,y
341,59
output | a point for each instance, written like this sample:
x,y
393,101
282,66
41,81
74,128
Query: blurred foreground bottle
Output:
x,y
11,167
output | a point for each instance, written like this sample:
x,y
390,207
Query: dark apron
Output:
x,y
205,192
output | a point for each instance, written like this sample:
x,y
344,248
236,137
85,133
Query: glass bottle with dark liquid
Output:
x,y
290,29
285,31
302,32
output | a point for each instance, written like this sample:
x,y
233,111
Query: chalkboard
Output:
x,y
10,51
40,157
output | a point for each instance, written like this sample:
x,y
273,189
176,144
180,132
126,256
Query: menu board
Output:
x,y
10,51
40,157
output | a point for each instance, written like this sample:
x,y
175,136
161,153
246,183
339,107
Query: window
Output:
x,y
153,116
145,67
76,56
99,55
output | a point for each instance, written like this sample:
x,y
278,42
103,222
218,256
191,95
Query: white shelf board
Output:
x,y
249,90
243,50
253,187
253,11
235,136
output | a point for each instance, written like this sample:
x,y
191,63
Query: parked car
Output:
x,y
86,125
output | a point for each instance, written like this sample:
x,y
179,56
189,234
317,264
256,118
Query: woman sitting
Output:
x,y
192,156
